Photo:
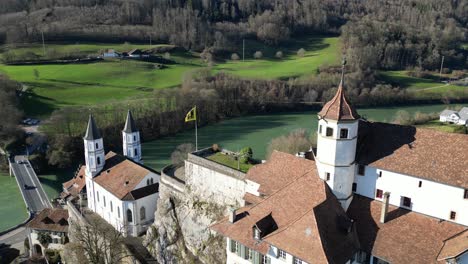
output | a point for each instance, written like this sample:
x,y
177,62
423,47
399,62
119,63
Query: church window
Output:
x,y
344,133
327,176
129,215
420,184
104,200
97,195
98,160
320,129
118,211
453,215
112,208
147,182
152,181
142,213
361,170
134,138
354,187
97,145
329,132
379,193
406,201
465,195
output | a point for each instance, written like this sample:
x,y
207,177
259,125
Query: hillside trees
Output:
x,y
10,114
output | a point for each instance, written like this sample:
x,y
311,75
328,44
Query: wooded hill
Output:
x,y
391,34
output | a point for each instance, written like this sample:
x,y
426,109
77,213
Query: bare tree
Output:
x,y
258,54
296,141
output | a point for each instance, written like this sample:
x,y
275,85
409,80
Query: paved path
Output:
x,y
31,189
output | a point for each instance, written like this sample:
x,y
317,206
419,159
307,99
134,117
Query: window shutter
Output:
x,y
242,251
232,245
268,260
256,258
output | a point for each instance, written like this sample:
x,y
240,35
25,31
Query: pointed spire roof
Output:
x,y
130,126
92,132
338,108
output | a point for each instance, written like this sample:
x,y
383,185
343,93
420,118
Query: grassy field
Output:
x,y
93,83
444,127
423,87
12,207
229,161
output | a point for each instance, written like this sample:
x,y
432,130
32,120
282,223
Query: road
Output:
x,y
31,189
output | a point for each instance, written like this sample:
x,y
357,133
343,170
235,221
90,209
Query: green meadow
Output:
x,y
50,87
12,208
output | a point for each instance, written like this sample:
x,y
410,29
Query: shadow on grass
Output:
x,y
36,105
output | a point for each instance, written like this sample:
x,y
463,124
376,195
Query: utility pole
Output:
x,y
243,50
441,67
43,43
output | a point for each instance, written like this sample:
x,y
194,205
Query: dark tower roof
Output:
x,y
130,126
338,107
92,132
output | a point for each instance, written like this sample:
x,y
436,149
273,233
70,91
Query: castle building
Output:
x,y
373,192
118,188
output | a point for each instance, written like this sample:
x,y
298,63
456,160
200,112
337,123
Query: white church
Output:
x,y
119,188
372,192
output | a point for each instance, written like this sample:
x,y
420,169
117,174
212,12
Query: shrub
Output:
x,y
279,54
245,155
258,54
235,57
301,52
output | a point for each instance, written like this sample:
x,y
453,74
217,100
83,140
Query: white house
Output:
x,y
119,189
53,225
451,116
374,193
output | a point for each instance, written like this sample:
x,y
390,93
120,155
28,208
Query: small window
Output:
x,y
151,181
98,160
380,174
420,184
129,216
465,195
97,145
233,246
97,195
118,212
147,182
329,132
327,176
265,260
320,129
297,261
112,207
134,138
281,254
256,233
406,201
379,193
361,170
453,215
142,213
104,200
344,133
354,187
249,253
136,152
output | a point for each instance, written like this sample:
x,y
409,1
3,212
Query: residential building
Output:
x,y
454,117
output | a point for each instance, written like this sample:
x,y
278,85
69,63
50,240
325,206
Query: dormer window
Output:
x,y
344,133
256,233
329,132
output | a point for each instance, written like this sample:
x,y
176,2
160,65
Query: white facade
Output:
x,y
336,153
115,211
132,145
58,240
94,156
427,197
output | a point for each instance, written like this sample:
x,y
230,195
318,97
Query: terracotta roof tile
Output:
x,y
142,192
51,219
454,246
120,175
425,153
406,237
338,107
74,186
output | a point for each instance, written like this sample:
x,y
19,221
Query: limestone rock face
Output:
x,y
180,233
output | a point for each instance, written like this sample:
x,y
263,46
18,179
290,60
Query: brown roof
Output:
x,y
454,246
305,218
406,237
281,169
142,192
50,219
425,153
338,107
120,175
74,186
251,199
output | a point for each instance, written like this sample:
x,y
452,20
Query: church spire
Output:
x,y
130,126
92,132
338,107
131,139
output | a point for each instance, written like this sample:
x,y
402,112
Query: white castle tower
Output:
x,y
336,145
94,149
131,139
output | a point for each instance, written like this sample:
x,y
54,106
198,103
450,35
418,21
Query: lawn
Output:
x,y
424,87
12,207
444,127
229,161
58,86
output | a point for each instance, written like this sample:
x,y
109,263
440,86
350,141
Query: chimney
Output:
x,y
383,215
232,215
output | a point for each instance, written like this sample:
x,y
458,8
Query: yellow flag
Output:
x,y
191,115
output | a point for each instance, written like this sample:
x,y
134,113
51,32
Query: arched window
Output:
x,y
134,138
97,145
142,213
129,216
98,160
136,152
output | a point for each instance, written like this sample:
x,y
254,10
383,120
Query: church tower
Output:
x,y
131,139
336,145
94,149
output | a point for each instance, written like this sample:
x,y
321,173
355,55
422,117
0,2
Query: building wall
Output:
x,y
33,235
432,198
213,184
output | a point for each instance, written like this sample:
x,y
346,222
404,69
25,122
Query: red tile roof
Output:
x,y
74,186
120,175
50,219
309,222
406,237
338,107
454,246
437,156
